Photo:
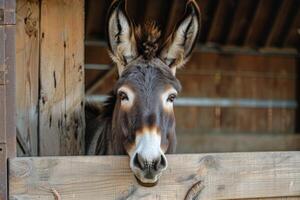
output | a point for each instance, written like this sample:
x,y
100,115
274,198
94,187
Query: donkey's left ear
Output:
x,y
181,42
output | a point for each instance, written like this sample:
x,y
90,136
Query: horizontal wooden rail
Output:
x,y
204,176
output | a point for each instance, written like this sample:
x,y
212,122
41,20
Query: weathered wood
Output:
x,y
61,122
10,90
7,91
27,72
222,176
195,142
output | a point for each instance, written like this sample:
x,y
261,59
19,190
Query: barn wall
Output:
x,y
238,77
50,75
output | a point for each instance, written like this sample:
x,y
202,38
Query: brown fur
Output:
x,y
148,68
148,37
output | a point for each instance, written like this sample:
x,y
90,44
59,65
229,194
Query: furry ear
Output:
x,y
179,45
120,33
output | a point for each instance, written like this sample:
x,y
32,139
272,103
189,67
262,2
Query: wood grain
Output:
x,y
196,142
224,176
27,72
62,78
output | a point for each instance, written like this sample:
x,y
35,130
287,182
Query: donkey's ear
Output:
x,y
181,42
120,33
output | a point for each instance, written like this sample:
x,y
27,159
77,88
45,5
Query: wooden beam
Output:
x,y
106,79
208,8
293,36
241,19
260,24
175,12
281,23
223,15
203,176
61,121
96,18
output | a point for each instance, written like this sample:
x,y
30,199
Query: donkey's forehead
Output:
x,y
148,75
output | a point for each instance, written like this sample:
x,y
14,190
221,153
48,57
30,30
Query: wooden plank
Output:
x,y
214,176
176,8
261,22
196,142
293,36
223,16
154,9
104,84
27,81
2,86
92,52
61,122
7,91
96,17
281,23
242,18
3,172
10,81
234,120
239,76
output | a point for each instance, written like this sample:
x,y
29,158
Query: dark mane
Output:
x,y
147,39
98,114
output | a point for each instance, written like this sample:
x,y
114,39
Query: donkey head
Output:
x,y
143,117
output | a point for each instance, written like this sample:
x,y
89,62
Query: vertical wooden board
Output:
x,y
62,78
2,115
3,172
27,72
2,87
2,48
10,90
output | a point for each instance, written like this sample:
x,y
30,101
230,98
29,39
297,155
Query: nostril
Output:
x,y
161,163
138,162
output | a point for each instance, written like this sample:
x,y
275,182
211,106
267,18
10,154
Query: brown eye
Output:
x,y
123,96
171,98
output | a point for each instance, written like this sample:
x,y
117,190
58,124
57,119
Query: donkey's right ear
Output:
x,y
120,34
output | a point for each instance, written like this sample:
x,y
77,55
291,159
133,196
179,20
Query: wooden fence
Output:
x,y
270,175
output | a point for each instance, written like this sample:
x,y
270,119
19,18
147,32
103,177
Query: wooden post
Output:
x,y
61,103
7,90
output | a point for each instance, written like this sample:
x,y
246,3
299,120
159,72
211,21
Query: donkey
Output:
x,y
138,117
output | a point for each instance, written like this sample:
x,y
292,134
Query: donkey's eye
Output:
x,y
123,96
171,98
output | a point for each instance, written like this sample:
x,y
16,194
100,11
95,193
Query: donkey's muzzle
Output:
x,y
149,170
